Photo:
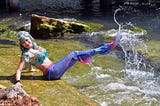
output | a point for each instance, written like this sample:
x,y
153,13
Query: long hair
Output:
x,y
24,51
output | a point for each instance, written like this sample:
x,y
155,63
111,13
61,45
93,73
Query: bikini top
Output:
x,y
40,56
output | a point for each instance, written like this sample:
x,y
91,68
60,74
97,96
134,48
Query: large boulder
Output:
x,y
16,96
42,26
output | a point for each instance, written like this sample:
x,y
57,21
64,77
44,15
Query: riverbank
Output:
x,y
49,93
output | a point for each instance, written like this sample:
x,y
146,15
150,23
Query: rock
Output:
x,y
152,53
16,96
42,26
2,87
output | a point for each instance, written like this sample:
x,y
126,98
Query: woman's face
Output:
x,y
27,43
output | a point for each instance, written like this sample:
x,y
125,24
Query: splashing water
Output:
x,y
130,43
138,71
135,85
116,20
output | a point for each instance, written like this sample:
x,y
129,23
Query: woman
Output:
x,y
38,56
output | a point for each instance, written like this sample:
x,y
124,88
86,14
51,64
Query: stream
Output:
x,y
137,84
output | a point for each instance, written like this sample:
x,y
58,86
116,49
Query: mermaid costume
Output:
x,y
56,70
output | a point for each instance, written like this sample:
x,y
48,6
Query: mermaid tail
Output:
x,y
108,46
114,43
86,56
117,40
85,59
103,49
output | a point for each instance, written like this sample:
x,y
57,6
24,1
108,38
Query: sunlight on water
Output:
x,y
133,59
96,71
136,84
146,81
139,78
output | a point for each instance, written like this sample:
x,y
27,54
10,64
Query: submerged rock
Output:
x,y
152,53
16,96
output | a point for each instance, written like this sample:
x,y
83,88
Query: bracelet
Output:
x,y
17,81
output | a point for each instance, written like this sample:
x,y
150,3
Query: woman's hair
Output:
x,y
24,51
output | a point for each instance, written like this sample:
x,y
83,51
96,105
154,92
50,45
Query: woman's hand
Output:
x,y
19,84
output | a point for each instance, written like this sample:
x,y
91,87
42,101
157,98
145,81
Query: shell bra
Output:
x,y
39,56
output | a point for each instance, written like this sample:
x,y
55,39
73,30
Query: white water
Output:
x,y
135,85
138,83
138,86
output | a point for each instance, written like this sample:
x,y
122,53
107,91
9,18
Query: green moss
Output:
x,y
9,34
47,26
7,21
92,26
152,53
152,49
3,26
140,30
60,93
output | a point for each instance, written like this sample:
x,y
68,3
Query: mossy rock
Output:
x,y
140,30
152,53
55,92
8,34
42,26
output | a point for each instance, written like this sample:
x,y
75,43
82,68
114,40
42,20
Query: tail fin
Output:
x,y
85,59
116,40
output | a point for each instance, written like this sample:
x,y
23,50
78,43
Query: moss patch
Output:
x,y
48,92
152,53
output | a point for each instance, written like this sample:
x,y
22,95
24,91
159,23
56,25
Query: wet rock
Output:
x,y
2,87
42,26
16,96
152,53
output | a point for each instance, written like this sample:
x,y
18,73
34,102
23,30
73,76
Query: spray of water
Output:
x,y
133,59
116,19
138,71
136,82
129,41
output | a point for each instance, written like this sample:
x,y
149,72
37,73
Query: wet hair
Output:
x,y
24,51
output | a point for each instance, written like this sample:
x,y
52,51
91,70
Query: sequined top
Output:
x,y
39,56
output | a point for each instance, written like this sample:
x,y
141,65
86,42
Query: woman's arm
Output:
x,y
18,72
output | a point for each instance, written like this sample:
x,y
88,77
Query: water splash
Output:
x,y
129,41
131,45
98,37
136,85
115,20
138,72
